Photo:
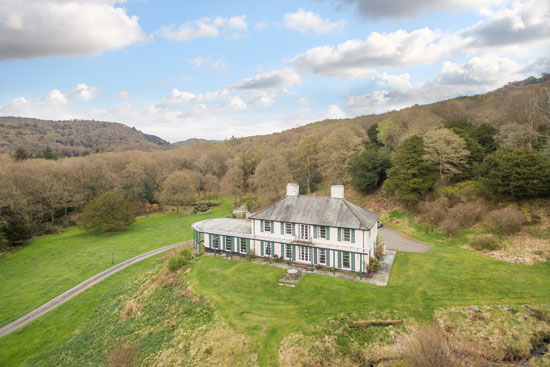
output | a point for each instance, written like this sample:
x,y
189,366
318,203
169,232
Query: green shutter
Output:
x,y
282,227
327,231
262,247
352,261
315,255
339,234
339,259
293,229
314,231
293,252
209,240
272,225
261,225
232,244
327,256
353,236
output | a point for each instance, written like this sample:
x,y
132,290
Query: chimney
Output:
x,y
337,191
292,189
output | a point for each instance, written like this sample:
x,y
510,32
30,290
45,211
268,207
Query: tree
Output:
x,y
372,133
15,226
271,177
3,239
388,134
21,154
410,176
109,212
232,181
368,169
178,190
446,151
518,172
335,153
304,160
133,182
211,185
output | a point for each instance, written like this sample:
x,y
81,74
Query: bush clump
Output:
x,y
108,213
506,221
485,242
181,259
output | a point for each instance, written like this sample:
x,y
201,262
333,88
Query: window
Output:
x,y
304,253
323,232
243,245
288,228
267,226
322,256
268,249
346,260
346,234
288,251
304,232
228,243
215,241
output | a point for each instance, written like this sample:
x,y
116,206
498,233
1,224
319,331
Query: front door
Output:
x,y
304,253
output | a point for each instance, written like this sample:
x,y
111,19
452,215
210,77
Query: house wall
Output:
x,y
363,239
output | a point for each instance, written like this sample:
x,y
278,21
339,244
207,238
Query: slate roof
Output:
x,y
319,210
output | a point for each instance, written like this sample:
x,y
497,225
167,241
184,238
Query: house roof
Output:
x,y
319,210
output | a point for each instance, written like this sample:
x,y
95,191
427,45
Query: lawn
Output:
x,y
49,265
252,303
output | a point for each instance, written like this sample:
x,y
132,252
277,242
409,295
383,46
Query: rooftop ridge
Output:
x,y
352,210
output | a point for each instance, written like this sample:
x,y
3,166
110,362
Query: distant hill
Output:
x,y
193,141
72,137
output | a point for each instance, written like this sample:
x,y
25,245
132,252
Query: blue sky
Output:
x,y
216,69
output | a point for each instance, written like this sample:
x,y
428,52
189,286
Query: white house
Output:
x,y
309,230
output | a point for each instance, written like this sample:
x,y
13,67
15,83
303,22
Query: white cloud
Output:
x,y
124,94
261,25
82,92
50,106
305,21
357,58
205,28
375,9
237,103
200,61
36,28
176,98
477,75
279,78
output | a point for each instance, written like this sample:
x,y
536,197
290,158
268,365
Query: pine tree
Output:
x,y
411,176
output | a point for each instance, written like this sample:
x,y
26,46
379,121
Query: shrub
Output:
x,y
374,264
507,221
450,225
485,242
107,213
432,212
180,260
467,214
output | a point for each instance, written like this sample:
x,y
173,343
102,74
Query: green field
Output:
x,y
49,265
252,303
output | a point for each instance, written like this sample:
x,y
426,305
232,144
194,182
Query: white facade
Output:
x,y
304,243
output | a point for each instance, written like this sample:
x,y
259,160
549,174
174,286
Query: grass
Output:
x,y
250,300
49,265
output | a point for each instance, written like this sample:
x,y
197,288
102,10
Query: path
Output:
x,y
396,241
64,297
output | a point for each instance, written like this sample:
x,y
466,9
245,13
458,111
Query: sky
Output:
x,y
217,69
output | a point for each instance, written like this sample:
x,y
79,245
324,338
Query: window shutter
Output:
x,y
352,261
272,225
282,227
232,243
339,234
282,251
314,231
315,255
353,236
247,245
293,253
327,256
327,231
209,240
262,225
262,247
339,259
293,229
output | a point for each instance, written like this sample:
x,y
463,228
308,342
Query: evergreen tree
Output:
x,y
108,213
372,133
518,172
21,154
411,176
16,228
368,169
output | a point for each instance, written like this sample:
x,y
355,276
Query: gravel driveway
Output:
x,y
396,241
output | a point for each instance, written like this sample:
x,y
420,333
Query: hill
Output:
x,y
193,141
72,137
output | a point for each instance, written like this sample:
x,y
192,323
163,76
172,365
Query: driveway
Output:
x,y
396,241
64,297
